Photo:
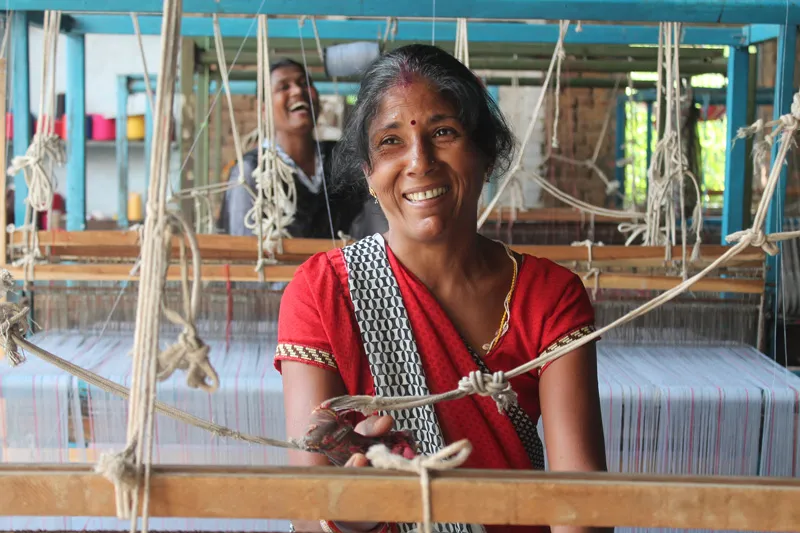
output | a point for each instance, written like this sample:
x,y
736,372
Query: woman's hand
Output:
x,y
373,426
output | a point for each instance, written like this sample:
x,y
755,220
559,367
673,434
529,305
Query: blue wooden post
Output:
x,y
619,152
20,75
122,150
733,206
76,132
784,76
784,92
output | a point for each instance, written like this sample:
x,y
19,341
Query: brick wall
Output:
x,y
581,116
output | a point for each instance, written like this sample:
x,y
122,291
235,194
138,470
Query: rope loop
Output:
x,y
447,458
495,385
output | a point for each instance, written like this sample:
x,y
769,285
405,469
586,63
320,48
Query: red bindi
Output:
x,y
413,122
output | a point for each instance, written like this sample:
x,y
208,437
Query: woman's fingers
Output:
x,y
357,460
375,426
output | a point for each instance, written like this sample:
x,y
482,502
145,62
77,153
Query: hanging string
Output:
x,y
276,199
45,151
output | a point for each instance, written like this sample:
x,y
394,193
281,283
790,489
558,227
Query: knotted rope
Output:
x,y
495,385
189,353
13,321
447,458
276,197
45,151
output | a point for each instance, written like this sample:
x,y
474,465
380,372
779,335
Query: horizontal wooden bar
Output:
x,y
125,244
284,273
122,272
472,496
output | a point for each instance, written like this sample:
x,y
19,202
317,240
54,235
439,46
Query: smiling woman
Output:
x,y
413,310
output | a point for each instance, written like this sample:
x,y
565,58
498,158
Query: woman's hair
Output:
x,y
477,111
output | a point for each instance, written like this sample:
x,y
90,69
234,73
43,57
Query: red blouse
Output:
x,y
549,306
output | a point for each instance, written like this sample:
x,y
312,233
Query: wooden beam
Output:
x,y
284,273
472,496
232,249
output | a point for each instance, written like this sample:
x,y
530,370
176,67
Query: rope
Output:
x,y
45,151
276,201
447,458
563,26
130,469
13,322
189,353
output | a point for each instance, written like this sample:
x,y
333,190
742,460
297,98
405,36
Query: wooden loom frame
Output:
x,y
232,258
517,497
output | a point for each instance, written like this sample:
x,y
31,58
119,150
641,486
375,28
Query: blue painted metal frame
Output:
x,y
784,78
696,11
122,150
21,107
354,30
758,33
735,165
764,95
76,133
137,85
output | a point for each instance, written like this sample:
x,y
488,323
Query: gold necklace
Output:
x,y
506,304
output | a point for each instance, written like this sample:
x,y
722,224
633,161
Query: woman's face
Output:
x,y
426,171
290,101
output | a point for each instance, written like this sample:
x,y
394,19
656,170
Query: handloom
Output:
x,y
659,437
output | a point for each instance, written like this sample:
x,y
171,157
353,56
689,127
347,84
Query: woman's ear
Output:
x,y
489,170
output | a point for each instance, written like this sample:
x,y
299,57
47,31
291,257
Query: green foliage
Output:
x,y
712,135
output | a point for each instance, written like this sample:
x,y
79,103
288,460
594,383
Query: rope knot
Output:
x,y
120,469
13,324
755,237
495,385
447,458
190,354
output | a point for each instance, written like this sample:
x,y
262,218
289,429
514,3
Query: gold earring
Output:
x,y
372,193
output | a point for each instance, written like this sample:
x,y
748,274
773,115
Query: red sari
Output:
x,y
549,306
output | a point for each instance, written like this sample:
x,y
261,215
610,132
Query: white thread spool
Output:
x,y
350,59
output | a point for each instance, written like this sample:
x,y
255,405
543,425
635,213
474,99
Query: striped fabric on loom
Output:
x,y
710,410
67,421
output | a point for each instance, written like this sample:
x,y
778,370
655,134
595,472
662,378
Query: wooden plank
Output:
x,y
122,244
117,272
473,496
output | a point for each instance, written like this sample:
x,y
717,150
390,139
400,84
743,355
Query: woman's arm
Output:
x,y
573,429
305,387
